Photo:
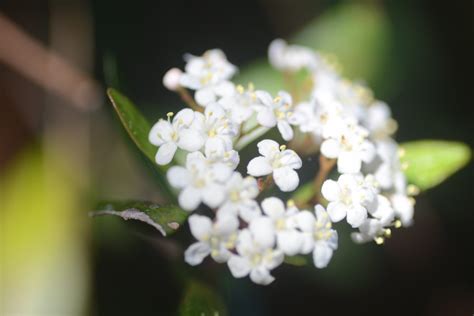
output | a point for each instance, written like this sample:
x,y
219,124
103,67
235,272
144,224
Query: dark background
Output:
x,y
427,269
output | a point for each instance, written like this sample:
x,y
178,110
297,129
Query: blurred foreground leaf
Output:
x,y
200,300
138,128
304,194
166,219
430,162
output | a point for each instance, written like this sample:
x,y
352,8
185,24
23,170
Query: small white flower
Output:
x,y
319,237
404,207
378,120
350,196
208,75
289,240
216,154
277,160
351,147
255,257
275,112
241,194
215,128
171,79
214,239
200,181
291,57
240,104
169,135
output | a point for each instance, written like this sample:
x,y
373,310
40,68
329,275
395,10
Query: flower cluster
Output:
x,y
329,114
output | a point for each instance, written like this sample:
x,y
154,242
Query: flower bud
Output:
x,y
171,79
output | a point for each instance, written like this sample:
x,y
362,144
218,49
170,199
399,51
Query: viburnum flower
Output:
x,y
215,128
208,75
288,239
350,146
278,161
403,206
199,181
378,120
215,239
218,153
275,112
255,257
318,235
241,194
291,57
350,196
169,135
241,104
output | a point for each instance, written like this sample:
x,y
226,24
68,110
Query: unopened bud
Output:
x,y
171,79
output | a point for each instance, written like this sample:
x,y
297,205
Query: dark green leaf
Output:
x,y
200,300
138,128
430,162
166,219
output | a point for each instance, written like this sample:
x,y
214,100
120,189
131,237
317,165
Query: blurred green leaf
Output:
x,y
430,162
166,219
304,194
138,128
296,260
200,300
261,75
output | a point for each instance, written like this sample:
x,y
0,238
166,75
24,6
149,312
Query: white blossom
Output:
x,y
255,256
278,161
291,57
215,239
169,135
350,196
319,237
241,194
172,78
199,181
208,75
241,104
275,112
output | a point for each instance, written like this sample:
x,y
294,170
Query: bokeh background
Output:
x,y
62,150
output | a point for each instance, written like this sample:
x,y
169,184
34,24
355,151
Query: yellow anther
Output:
x,y
277,99
379,240
388,233
398,223
413,190
251,87
290,203
169,114
282,147
405,166
412,201
401,152
214,252
240,89
328,225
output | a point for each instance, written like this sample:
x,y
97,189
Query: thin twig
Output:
x,y
186,97
325,166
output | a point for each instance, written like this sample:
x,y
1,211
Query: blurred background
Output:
x,y
62,150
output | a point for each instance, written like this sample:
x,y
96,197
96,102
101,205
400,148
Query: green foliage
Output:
x,y
304,194
200,300
262,75
166,219
138,128
296,260
430,162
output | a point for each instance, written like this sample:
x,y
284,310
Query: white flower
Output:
x,y
171,135
275,112
318,235
199,181
241,194
289,240
291,57
378,120
214,239
240,104
404,207
350,196
208,75
351,147
215,128
277,160
216,154
171,79
255,257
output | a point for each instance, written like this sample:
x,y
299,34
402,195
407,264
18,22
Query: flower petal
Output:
x,y
196,253
290,242
262,276
305,221
226,224
165,153
213,195
337,211
285,130
239,266
266,117
322,254
268,148
330,148
331,190
190,140
286,179
356,215
178,177
160,133
273,207
200,226
205,96
348,162
189,199
259,166
263,231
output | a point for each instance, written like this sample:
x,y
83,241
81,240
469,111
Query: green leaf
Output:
x,y
138,128
430,162
304,194
200,300
296,260
262,75
166,219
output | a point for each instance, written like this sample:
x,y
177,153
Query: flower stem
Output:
x,y
186,97
325,166
265,183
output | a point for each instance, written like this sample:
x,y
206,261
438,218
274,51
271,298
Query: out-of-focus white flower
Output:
x,y
279,161
241,194
404,207
169,135
319,237
215,128
275,112
350,146
199,181
255,256
216,154
378,120
208,75
289,240
241,104
172,78
350,196
214,239
291,57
